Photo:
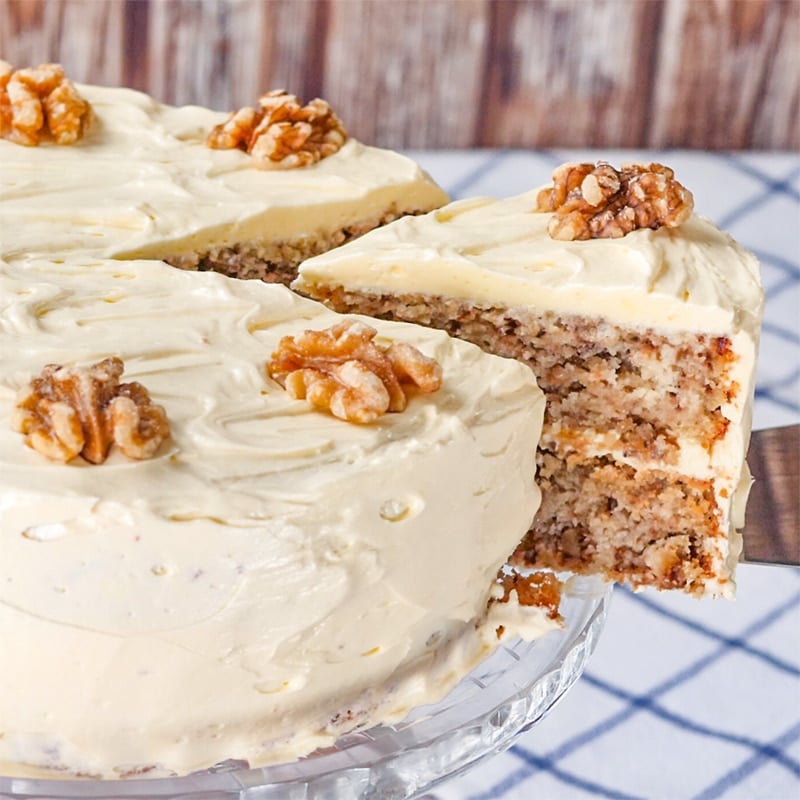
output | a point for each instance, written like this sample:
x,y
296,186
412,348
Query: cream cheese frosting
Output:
x,y
142,183
272,567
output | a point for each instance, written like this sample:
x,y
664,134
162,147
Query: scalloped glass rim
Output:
x,y
503,697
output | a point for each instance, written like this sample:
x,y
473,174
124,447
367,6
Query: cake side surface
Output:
x,y
276,261
644,345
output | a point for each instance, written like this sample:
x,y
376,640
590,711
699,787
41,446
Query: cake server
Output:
x,y
772,522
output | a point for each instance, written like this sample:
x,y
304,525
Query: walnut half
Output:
x,y
41,102
342,369
71,411
599,202
281,133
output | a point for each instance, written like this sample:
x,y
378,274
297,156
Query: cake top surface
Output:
x,y
142,182
498,252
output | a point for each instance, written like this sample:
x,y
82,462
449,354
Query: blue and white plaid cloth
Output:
x,y
683,698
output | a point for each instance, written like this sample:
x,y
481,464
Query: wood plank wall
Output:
x,y
451,73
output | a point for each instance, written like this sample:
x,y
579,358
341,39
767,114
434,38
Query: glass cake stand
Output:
x,y
503,697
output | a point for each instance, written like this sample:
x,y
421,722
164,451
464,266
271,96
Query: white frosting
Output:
x,y
272,567
142,183
498,253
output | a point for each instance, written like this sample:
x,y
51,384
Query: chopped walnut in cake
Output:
x,y
599,202
39,104
70,411
541,590
281,133
343,370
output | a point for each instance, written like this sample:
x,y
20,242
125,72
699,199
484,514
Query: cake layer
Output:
x,y
645,347
142,183
644,389
637,524
274,576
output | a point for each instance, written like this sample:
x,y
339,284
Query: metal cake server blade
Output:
x,y
772,521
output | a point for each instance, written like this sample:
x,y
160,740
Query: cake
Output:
x,y
644,341
247,548
200,563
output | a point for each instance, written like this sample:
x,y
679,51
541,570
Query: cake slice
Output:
x,y
644,341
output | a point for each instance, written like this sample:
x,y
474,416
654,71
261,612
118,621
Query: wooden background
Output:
x,y
451,73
